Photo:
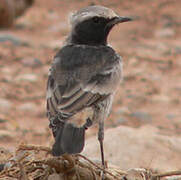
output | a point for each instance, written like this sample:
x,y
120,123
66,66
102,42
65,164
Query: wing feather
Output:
x,y
80,77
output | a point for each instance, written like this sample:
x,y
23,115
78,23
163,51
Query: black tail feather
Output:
x,y
56,149
69,139
73,139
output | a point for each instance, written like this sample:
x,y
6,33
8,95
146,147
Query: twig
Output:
x,y
23,175
172,173
33,147
97,166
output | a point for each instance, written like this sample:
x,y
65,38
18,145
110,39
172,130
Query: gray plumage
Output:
x,y
85,73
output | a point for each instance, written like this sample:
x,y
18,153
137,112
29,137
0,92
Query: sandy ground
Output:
x,y
151,50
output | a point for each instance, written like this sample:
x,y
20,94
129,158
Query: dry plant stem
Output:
x,y
23,175
85,174
33,147
56,163
67,169
62,166
172,173
22,157
93,174
98,166
70,159
18,161
47,149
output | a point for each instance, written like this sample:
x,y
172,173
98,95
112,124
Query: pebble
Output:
x,y
58,27
173,178
166,32
52,15
142,116
27,77
161,98
171,116
14,40
133,61
28,107
121,120
5,105
123,110
177,50
6,134
3,120
31,62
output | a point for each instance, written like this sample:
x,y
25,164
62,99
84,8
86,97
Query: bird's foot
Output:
x,y
102,175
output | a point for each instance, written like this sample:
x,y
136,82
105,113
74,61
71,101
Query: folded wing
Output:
x,y
79,77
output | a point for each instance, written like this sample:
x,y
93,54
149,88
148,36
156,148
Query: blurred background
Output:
x,y
148,102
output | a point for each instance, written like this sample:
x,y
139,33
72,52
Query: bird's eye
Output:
x,y
96,19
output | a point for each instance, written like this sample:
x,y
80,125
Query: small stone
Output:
x,y
142,116
52,15
27,77
173,178
133,61
58,27
170,116
123,110
177,50
121,120
31,62
14,40
166,32
6,134
5,105
28,107
161,98
3,120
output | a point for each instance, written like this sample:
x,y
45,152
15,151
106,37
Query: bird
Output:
x,y
85,73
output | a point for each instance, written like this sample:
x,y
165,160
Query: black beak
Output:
x,y
117,20
120,19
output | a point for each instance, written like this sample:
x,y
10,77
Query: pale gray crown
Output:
x,y
91,11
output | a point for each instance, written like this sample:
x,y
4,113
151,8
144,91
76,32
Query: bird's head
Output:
x,y
91,25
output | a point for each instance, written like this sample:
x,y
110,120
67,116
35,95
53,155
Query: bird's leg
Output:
x,y
101,138
101,112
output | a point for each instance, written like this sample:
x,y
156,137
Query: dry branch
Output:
x,y
25,164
